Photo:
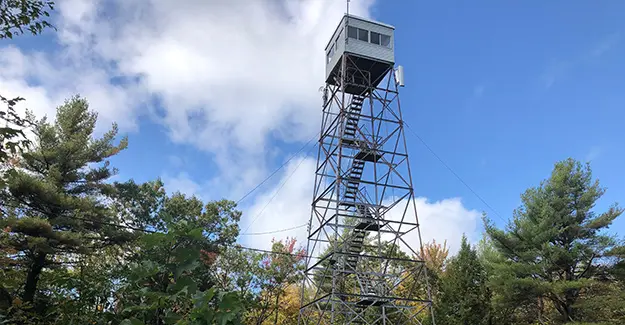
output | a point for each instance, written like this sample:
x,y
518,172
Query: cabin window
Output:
x,y
385,40
330,53
352,32
375,38
363,35
380,39
358,33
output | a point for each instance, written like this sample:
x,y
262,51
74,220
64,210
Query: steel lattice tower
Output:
x,y
362,269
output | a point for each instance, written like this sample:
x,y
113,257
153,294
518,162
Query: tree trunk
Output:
x,y
30,288
277,307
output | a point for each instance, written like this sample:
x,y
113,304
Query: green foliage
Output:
x,y
272,277
13,140
164,284
54,200
76,248
463,298
18,16
550,255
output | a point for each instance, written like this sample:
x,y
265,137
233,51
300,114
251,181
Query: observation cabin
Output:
x,y
369,50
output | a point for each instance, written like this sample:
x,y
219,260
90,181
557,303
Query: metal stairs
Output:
x,y
353,116
354,243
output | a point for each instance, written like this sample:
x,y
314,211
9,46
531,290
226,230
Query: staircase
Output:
x,y
353,116
354,243
355,247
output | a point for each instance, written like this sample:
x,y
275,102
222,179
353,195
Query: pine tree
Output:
x,y
552,249
56,203
463,297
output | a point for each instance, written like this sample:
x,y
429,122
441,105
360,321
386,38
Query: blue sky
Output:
x,y
503,90
500,91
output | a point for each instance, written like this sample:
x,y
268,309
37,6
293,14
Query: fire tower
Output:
x,y
362,269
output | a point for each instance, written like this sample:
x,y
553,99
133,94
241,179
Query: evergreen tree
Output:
x,y
552,249
463,297
56,201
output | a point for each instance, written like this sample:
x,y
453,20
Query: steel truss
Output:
x,y
362,269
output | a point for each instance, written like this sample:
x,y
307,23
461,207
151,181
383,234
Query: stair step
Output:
x,y
368,226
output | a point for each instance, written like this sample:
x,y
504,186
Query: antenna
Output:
x,y
324,96
399,76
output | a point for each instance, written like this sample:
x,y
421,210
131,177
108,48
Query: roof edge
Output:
x,y
346,16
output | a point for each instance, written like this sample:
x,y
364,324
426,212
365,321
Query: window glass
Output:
x,y
363,35
386,40
352,32
375,38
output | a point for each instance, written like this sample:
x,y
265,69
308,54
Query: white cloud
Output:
x,y
287,203
442,220
446,219
290,206
45,83
183,183
226,75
